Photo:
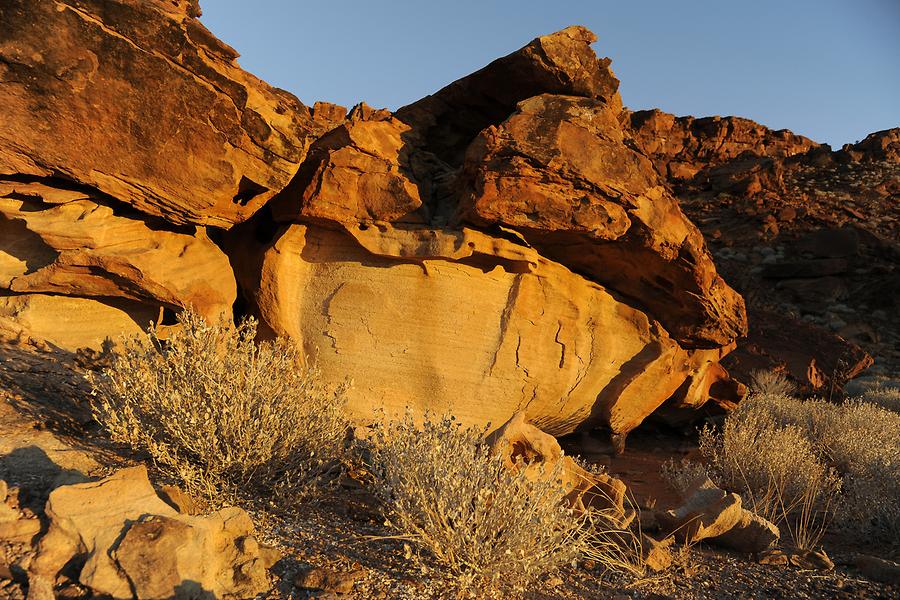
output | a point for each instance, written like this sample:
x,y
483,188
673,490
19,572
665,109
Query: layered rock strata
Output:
x,y
500,246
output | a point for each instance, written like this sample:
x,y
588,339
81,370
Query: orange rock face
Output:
x,y
560,171
498,247
140,101
359,171
70,244
561,63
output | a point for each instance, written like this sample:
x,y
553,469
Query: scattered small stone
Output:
x,y
773,557
815,560
554,581
878,569
319,578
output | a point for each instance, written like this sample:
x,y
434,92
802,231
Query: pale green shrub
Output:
x,y
221,412
494,530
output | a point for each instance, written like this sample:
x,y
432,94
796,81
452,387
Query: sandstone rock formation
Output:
x,y
134,545
523,446
708,512
359,171
70,323
577,238
496,247
139,100
67,243
561,63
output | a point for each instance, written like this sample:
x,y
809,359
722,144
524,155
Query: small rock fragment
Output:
x,y
319,578
878,569
814,560
656,554
773,557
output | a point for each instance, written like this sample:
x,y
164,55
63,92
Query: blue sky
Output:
x,y
827,69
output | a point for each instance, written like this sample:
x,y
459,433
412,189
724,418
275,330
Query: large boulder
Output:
x,y
461,321
131,544
139,100
562,172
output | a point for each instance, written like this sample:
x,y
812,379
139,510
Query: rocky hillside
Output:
x,y
809,237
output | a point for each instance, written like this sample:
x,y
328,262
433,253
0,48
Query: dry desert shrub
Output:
x,y
681,475
804,463
885,396
862,441
772,464
221,412
493,529
771,383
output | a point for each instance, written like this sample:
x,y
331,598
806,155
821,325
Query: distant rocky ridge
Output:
x,y
510,242
808,235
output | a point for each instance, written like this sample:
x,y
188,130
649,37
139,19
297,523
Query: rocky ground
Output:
x,y
340,542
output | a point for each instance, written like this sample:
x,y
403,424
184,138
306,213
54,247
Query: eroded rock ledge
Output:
x,y
499,246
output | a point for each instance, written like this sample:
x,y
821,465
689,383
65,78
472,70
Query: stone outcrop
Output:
x,y
560,171
139,100
496,247
67,243
77,267
70,323
879,146
133,545
681,147
476,240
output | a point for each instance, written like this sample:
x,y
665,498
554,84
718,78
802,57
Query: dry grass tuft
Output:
x,y
223,413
